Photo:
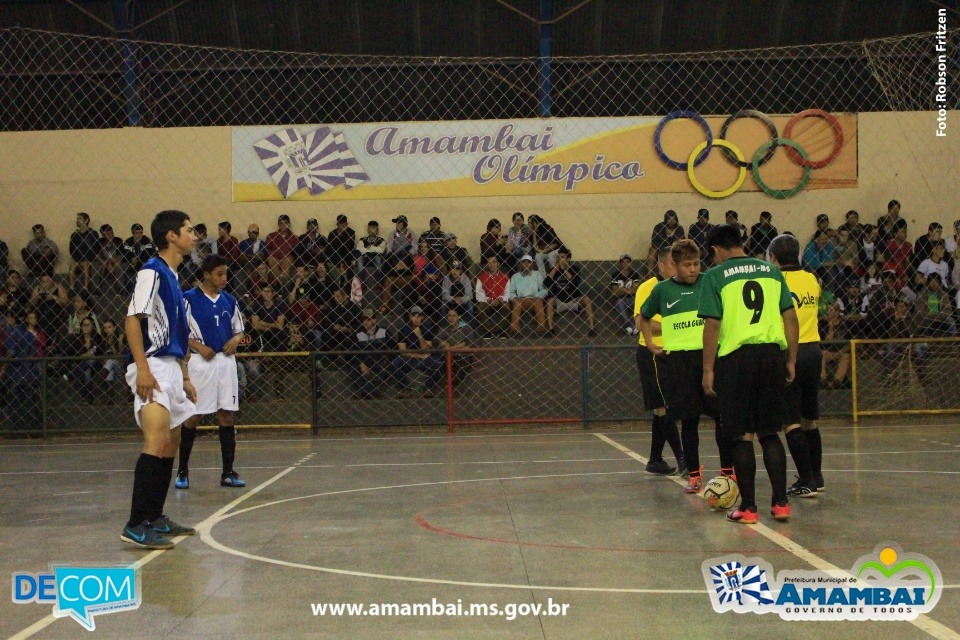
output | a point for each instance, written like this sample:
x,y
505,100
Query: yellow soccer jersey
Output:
x,y
643,292
805,291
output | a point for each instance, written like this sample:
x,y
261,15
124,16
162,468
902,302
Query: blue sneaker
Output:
x,y
145,537
183,480
232,480
168,527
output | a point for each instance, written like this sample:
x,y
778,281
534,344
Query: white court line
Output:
x,y
922,622
43,623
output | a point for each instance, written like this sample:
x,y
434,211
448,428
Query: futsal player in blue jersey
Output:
x,y
157,333
216,329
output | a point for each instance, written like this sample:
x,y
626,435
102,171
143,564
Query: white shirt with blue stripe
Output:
x,y
213,321
157,296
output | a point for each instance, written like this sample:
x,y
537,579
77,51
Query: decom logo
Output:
x,y
81,592
763,154
887,584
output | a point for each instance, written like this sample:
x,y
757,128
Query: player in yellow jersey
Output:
x,y
663,430
801,401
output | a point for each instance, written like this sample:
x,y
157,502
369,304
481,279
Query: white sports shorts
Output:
x,y
216,383
167,373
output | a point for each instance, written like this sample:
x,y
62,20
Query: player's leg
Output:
x,y
690,437
149,479
769,417
735,376
188,434
227,432
796,441
587,305
815,446
725,448
745,465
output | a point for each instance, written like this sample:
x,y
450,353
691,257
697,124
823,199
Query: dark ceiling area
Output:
x,y
483,27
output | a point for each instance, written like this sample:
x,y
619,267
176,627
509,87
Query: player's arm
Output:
x,y
711,340
205,352
650,308
791,328
644,324
188,387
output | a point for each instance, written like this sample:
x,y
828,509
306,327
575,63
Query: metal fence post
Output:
x,y
314,395
449,390
585,384
43,398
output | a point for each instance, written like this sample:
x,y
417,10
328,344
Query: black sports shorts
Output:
x,y
750,386
801,398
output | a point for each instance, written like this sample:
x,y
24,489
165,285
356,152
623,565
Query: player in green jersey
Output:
x,y
750,339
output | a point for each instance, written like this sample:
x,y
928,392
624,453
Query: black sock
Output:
x,y
228,447
725,447
144,480
816,450
669,428
691,444
800,452
775,460
657,440
745,463
187,436
163,487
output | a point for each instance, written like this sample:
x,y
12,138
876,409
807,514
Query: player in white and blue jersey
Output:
x,y
157,334
216,329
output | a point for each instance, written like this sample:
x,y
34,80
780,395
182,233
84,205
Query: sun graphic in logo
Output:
x,y
889,567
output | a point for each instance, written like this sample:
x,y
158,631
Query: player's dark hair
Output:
x,y
165,222
724,236
786,249
211,262
684,250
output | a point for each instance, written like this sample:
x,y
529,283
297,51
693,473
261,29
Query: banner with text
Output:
x,y
778,154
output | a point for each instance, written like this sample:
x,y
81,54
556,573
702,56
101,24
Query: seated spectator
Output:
x,y
191,275
870,280
84,250
425,255
494,243
565,288
227,245
899,252
296,341
268,319
519,240
869,244
32,325
320,288
81,312
458,290
934,310
457,334
252,249
15,297
280,245
401,277
452,253
698,233
493,299
823,224
844,273
819,256
761,235
370,251
4,261
111,247
545,243
845,248
311,247
664,235
851,311
137,249
113,345
430,295
41,254
923,247
623,288
400,242
261,276
371,368
890,224
937,264
86,374
912,289
852,226
953,241
732,218
527,293
836,357
345,278
435,237
341,243
342,322
51,302
200,232
22,378
416,338
900,326
880,305
301,307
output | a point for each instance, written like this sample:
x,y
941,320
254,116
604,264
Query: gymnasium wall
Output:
x,y
123,176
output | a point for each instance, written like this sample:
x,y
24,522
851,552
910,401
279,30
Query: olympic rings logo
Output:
x,y
763,154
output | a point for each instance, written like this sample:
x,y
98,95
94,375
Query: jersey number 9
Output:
x,y
753,299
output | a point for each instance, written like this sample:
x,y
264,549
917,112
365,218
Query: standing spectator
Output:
x,y
41,254
85,374
623,288
545,243
81,312
51,301
416,337
252,248
371,368
400,241
22,378
370,251
493,299
923,247
852,226
311,246
761,235
519,241
84,249
452,253
698,233
457,334
937,264
280,245
899,251
341,243
435,237
565,291
819,255
733,219
494,243
527,292
458,290
138,248
891,223
425,255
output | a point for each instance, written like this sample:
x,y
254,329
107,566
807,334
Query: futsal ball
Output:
x,y
721,492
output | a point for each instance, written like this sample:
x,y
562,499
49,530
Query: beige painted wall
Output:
x,y
123,176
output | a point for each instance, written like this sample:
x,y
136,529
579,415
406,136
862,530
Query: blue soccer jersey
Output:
x,y
213,321
157,296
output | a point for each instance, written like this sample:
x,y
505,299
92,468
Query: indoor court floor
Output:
x,y
510,517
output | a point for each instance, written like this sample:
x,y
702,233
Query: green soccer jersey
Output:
x,y
747,296
682,329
